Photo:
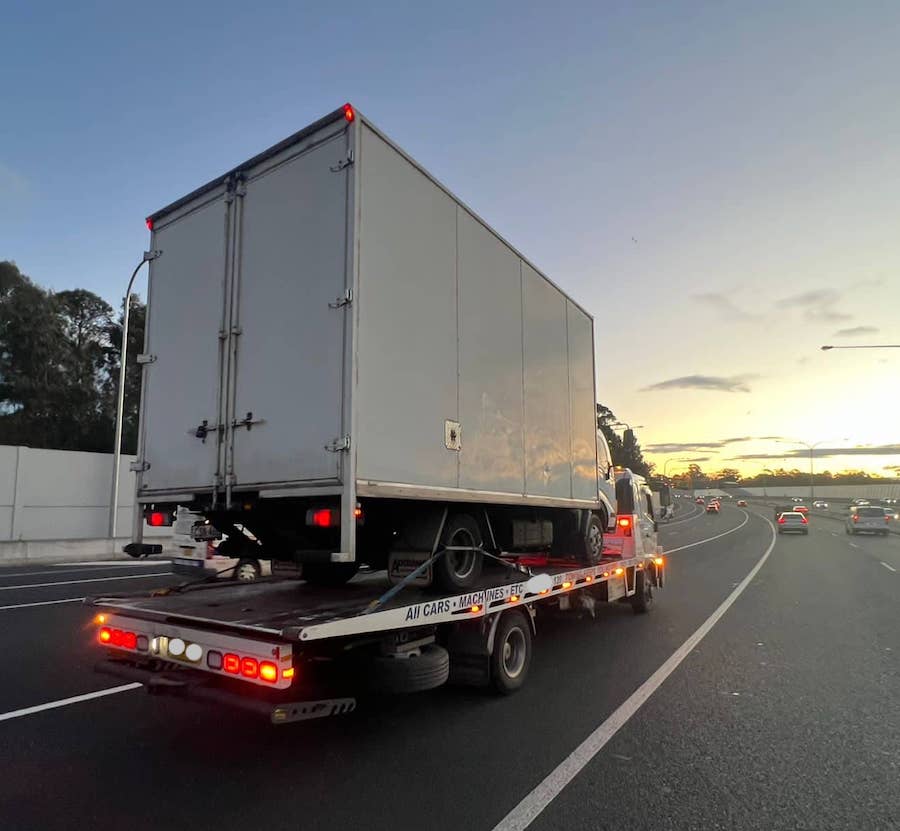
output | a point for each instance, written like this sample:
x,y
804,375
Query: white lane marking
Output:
x,y
59,570
90,580
41,603
853,545
887,565
717,536
128,562
685,519
64,702
534,803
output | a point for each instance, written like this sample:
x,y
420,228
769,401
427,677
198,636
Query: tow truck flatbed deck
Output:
x,y
289,608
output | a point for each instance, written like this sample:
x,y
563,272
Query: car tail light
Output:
x,y
129,640
804,520
624,522
781,520
250,668
268,672
231,663
855,518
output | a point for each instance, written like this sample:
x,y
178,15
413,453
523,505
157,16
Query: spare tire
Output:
x,y
425,670
458,570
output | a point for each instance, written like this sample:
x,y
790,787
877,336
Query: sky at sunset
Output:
x,y
717,183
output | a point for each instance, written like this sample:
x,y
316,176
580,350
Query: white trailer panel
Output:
x,y
406,351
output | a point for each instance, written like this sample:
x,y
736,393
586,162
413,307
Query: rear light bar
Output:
x,y
624,524
158,519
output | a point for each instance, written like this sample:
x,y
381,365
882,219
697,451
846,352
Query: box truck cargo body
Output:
x,y
343,358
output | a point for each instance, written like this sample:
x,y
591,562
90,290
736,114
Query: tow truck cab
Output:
x,y
636,521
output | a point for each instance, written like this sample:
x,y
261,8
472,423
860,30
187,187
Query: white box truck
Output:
x,y
344,359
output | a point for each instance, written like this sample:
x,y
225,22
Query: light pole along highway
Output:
x,y
810,448
120,403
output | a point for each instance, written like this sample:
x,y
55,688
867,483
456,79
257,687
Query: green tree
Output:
x,y
626,451
136,320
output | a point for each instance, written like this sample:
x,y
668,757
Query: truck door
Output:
x,y
288,319
186,311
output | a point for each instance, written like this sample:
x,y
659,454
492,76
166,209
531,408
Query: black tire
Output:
x,y
459,570
329,574
247,570
417,673
511,654
642,600
805,530
592,550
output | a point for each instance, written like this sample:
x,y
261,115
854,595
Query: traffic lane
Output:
x,y
48,650
881,549
440,759
785,715
699,527
31,579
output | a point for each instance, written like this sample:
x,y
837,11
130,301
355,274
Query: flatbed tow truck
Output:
x,y
292,651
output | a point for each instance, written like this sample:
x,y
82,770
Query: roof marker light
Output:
x,y
149,221
349,115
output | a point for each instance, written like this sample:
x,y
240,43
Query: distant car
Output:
x,y
712,508
793,521
797,499
891,501
859,501
820,504
699,500
871,519
198,551
801,509
783,509
742,503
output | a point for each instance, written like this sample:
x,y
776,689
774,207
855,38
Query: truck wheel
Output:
x,y
416,673
593,542
329,574
247,570
642,601
511,655
459,569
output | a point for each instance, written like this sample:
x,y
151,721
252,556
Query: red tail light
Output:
x,y
249,667
781,520
855,518
321,518
129,640
624,522
804,520
157,519
231,663
349,115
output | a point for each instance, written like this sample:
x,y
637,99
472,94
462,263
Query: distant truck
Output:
x,y
344,364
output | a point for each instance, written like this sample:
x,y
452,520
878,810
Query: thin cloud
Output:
x,y
751,438
856,331
818,305
820,452
683,447
715,383
723,304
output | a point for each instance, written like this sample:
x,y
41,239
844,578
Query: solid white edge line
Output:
x,y
91,580
520,817
49,571
887,565
41,603
64,702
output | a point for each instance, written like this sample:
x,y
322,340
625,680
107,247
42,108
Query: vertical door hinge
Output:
x,y
139,466
338,445
346,300
343,163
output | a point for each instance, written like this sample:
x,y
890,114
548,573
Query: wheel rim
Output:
x,y
514,653
462,562
595,540
246,572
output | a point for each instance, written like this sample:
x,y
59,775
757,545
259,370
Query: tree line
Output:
x,y
59,366
625,449
695,477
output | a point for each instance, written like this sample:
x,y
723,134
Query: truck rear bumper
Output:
x,y
277,712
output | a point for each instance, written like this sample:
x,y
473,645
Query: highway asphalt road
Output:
x,y
786,715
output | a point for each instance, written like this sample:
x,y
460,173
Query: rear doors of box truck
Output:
x,y
245,329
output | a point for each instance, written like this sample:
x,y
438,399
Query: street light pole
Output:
x,y
864,346
810,448
120,403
